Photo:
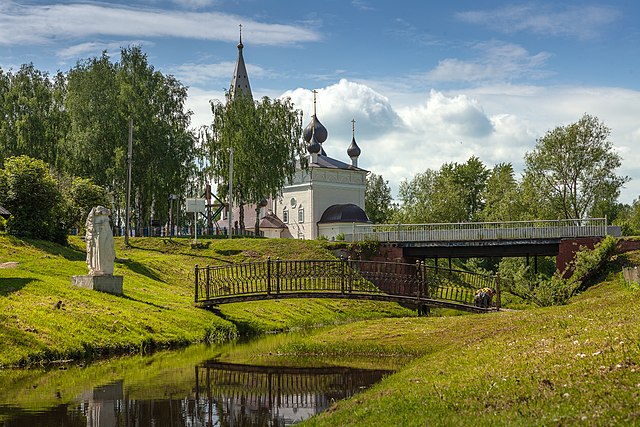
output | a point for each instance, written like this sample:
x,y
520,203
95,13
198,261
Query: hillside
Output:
x,y
44,318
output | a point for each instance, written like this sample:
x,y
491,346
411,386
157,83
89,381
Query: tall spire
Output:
x,y
240,82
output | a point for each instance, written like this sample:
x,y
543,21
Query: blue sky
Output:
x,y
427,82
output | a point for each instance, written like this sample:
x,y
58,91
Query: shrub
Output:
x,y
31,194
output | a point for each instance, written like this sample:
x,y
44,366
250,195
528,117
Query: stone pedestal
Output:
x,y
105,283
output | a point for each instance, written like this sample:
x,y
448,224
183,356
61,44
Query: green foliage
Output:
x,y
365,249
265,137
340,237
502,196
452,194
573,169
377,199
31,194
33,121
84,195
548,288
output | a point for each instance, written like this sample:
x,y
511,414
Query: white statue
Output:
x,y
100,251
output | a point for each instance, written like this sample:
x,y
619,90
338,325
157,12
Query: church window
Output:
x,y
300,214
285,216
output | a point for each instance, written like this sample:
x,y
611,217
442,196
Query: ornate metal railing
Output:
x,y
478,231
344,278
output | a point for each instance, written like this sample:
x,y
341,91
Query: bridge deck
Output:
x,y
480,231
414,284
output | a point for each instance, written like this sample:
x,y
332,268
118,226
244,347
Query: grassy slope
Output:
x,y
577,364
157,308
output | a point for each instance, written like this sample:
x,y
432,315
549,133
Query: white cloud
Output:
x,y
499,61
581,22
95,48
198,74
403,133
43,24
194,4
457,116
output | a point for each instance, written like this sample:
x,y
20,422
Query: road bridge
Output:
x,y
560,238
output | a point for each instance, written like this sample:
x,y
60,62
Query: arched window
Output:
x,y
300,214
285,215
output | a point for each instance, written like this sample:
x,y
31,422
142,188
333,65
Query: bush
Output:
x,y
31,194
517,278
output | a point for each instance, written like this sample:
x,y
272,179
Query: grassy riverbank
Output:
x,y
577,364
43,318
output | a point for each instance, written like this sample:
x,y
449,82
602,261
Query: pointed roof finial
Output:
x,y
353,151
315,92
240,45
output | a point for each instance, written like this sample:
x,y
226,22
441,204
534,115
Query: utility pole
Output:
x,y
129,159
230,191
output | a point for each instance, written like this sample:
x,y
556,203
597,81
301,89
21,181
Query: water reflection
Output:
x,y
215,394
260,395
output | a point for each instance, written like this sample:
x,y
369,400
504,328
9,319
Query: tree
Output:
x,y
574,167
452,194
267,147
31,194
377,199
84,195
471,177
33,118
502,196
102,97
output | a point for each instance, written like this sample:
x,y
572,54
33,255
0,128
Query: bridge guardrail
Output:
x,y
478,231
344,277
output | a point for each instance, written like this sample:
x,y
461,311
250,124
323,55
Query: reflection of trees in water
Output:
x,y
223,395
259,395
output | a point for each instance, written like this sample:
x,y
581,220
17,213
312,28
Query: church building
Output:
x,y
325,200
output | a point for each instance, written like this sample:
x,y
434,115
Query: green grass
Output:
x,y
157,310
577,364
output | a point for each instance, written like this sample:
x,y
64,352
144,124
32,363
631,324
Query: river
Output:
x,y
236,384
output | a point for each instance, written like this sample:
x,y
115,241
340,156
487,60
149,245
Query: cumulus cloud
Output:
x,y
459,116
402,133
42,24
498,61
340,103
581,22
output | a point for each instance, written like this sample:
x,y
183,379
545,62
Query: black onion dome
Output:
x,y
344,213
321,131
314,147
353,150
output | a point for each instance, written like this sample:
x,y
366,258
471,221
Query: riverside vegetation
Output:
x,y
575,364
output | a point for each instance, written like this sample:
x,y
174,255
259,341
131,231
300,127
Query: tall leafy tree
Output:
x,y
33,120
102,97
574,168
267,147
502,196
377,199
